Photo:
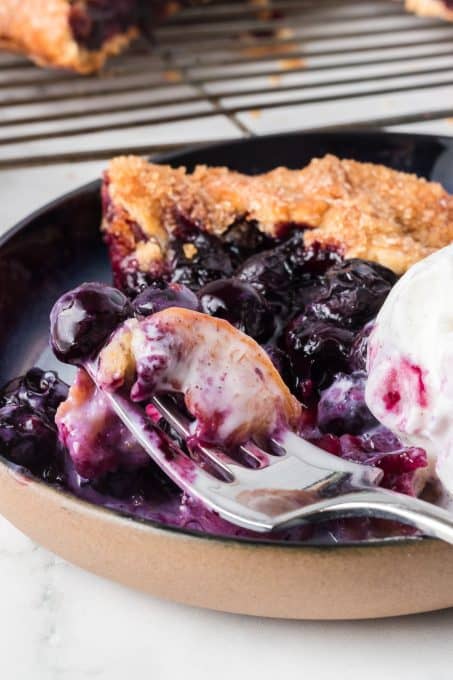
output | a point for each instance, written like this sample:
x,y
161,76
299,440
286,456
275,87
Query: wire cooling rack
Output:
x,y
233,69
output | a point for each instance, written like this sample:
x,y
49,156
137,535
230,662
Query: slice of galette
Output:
x,y
76,34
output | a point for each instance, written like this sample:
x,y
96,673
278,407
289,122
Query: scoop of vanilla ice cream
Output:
x,y
410,361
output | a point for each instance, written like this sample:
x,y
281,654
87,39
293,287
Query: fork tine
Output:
x,y
258,457
186,472
182,426
287,488
134,419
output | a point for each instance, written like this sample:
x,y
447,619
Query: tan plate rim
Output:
x,y
30,479
284,580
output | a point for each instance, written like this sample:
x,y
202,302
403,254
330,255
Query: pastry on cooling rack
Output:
x,y
80,35
74,34
431,8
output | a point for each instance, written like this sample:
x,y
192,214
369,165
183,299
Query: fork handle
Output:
x,y
369,502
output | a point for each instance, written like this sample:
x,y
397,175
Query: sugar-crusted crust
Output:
x,y
366,210
430,8
41,30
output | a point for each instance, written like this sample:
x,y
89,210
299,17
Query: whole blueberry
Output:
x,y
317,350
42,391
26,438
342,408
269,271
154,299
352,293
288,272
131,281
240,304
82,319
28,435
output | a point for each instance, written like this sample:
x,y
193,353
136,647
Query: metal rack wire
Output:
x,y
232,69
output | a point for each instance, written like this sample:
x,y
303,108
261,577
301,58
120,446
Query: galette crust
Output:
x,y
225,375
40,29
430,8
365,210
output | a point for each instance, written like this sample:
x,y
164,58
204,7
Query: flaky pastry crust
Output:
x,y
365,210
41,30
227,379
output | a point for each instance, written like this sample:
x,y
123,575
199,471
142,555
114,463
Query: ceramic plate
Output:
x,y
59,247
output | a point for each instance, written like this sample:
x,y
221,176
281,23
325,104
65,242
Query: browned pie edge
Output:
x,y
40,29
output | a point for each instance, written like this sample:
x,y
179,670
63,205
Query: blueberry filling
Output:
x,y
28,438
197,258
317,350
28,434
155,298
342,408
239,303
93,22
310,310
351,294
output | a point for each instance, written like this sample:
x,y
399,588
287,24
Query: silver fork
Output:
x,y
295,483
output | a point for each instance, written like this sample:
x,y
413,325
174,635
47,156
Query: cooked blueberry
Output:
x,y
342,408
154,299
28,434
37,390
307,266
352,293
42,391
289,273
317,351
25,438
383,450
133,281
240,304
198,258
270,271
358,353
82,319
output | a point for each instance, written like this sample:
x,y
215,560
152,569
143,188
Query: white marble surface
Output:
x,y
60,623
